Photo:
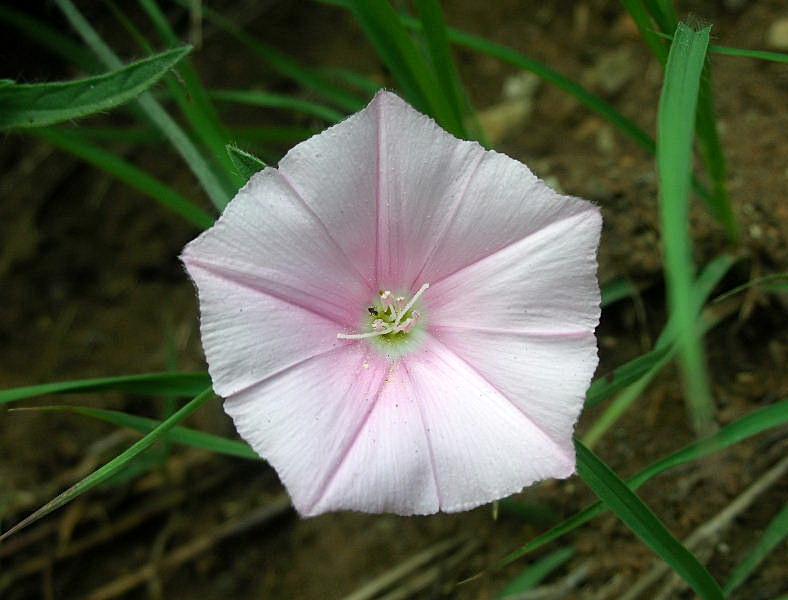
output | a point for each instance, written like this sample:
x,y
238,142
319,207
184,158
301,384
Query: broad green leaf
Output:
x,y
269,100
675,127
751,425
218,190
535,573
644,523
774,535
149,384
114,466
127,173
179,435
246,163
40,104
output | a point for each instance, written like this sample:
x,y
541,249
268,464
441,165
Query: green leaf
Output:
x,y
127,173
246,163
775,534
775,282
269,100
676,120
179,435
40,104
114,466
353,79
644,523
618,289
745,428
535,573
396,49
217,189
779,57
149,384
628,373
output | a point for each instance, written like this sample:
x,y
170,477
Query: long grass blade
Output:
x,y
644,523
179,435
676,120
534,574
213,186
413,73
114,466
127,173
192,97
451,87
41,104
774,535
269,100
749,426
147,384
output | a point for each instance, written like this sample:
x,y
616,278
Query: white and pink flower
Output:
x,y
399,320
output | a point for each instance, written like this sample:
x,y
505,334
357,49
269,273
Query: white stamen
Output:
x,y
413,301
379,326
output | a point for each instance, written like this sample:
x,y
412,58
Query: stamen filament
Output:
x,y
378,326
413,300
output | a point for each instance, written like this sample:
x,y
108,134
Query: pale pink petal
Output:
x,y
305,419
545,375
249,335
504,203
544,282
271,240
442,437
386,182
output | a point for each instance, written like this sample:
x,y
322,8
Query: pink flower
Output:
x,y
401,321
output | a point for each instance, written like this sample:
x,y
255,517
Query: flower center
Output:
x,y
390,318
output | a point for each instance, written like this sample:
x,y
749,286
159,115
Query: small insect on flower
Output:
x,y
398,320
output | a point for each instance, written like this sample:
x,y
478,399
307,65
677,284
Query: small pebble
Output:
x,y
777,37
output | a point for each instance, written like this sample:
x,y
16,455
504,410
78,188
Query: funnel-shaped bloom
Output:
x,y
399,320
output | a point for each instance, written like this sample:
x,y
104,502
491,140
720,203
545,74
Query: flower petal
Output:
x,y
545,282
249,335
504,203
386,182
271,240
442,438
305,420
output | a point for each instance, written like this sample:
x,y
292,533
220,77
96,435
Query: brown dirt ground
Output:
x,y
90,285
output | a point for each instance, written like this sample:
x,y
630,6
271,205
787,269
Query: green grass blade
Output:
x,y
192,97
269,100
273,135
676,120
616,290
147,384
246,163
514,58
179,435
217,191
775,534
114,466
644,523
776,282
625,375
640,15
286,66
50,38
451,87
128,174
779,57
535,573
40,104
751,425
396,49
